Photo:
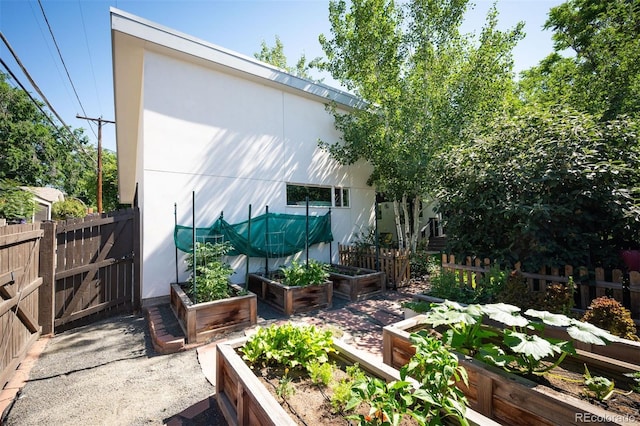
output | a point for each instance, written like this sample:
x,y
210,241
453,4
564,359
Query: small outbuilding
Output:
x,y
193,117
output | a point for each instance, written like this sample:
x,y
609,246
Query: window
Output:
x,y
318,195
341,197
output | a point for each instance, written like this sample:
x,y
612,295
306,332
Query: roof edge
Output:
x,y
152,32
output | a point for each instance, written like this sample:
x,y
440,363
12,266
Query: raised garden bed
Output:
x,y
244,400
202,321
623,350
355,284
509,398
291,299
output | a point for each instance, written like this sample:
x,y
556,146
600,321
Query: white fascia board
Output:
x,y
168,38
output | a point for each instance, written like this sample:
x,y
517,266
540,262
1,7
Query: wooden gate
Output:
x,y
97,267
19,286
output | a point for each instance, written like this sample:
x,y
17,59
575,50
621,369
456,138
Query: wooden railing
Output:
x,y
590,284
393,262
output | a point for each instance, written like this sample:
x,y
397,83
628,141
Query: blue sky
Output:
x,y
82,31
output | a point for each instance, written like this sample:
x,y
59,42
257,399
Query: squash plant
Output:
x,y
517,349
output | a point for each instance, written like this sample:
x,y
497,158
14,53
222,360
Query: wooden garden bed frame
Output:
x,y
202,321
291,299
355,284
244,400
508,398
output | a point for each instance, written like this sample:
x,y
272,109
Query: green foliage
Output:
x,y
609,314
636,378
558,297
212,275
437,371
15,203
275,56
33,151
320,373
601,387
422,264
285,389
425,85
87,184
68,209
516,292
418,306
545,189
445,284
434,397
602,75
301,274
511,346
342,390
289,346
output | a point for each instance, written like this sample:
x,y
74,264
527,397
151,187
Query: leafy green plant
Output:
x,y
388,402
68,209
212,275
636,378
300,274
437,371
559,297
429,400
512,346
418,306
609,314
14,202
342,390
288,345
320,373
601,387
285,389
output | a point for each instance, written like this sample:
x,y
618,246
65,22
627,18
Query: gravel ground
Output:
x,y
107,373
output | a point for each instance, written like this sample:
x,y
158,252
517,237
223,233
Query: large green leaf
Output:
x,y
589,333
530,345
549,318
506,314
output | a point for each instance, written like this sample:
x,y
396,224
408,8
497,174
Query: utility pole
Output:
x,y
98,120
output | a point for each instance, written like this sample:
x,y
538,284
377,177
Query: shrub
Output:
x,y
516,292
559,298
421,263
68,209
15,203
609,314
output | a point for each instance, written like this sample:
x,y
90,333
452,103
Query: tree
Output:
x,y
275,56
87,189
426,88
603,75
32,150
546,188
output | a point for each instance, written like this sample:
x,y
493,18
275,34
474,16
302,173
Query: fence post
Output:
x,y
46,292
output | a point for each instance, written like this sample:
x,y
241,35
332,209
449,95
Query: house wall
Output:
x,y
235,142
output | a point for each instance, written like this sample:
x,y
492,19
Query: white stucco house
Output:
x,y
193,116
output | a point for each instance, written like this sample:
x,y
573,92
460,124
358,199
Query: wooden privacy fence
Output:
x,y
96,266
20,284
393,262
590,284
56,275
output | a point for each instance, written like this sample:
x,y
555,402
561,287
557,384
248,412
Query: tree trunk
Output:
x,y
417,207
399,233
407,221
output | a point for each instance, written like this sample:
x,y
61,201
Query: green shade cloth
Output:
x,y
272,234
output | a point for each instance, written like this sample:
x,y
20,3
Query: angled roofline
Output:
x,y
162,36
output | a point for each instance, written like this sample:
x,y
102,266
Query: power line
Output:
x,y
63,63
37,104
86,40
35,86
